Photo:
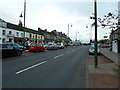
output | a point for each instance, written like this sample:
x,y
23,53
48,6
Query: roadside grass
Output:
x,y
117,70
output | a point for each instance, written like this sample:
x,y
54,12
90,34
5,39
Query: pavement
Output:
x,y
104,76
111,55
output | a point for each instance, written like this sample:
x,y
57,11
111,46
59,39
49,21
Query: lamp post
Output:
x,y
24,19
68,28
96,49
95,43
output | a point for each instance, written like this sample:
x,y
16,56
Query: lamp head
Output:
x,y
21,15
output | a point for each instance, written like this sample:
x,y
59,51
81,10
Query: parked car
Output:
x,y
44,45
92,51
51,46
10,50
36,47
60,45
21,46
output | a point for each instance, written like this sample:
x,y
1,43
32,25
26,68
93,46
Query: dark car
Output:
x,y
21,46
10,50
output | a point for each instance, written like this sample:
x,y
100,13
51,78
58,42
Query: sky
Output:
x,y
57,14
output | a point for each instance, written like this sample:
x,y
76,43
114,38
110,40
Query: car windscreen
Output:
x,y
40,45
9,46
49,44
59,44
32,44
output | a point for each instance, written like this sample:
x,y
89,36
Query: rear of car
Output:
x,y
60,45
36,47
92,50
51,46
40,47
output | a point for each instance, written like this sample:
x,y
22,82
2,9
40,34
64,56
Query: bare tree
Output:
x,y
110,21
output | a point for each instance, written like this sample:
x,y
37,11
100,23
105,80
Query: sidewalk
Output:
x,y
111,55
103,76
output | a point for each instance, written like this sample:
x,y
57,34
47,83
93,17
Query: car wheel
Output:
x,y
19,53
89,53
98,54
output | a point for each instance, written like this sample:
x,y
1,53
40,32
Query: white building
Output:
x,y
15,33
6,34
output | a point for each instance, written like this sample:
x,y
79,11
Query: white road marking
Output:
x,y
58,56
30,67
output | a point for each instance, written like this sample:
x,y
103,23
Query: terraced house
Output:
x,y
17,34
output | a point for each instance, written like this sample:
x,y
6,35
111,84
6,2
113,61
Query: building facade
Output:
x,y
15,34
115,40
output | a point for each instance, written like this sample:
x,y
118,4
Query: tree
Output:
x,y
110,20
105,41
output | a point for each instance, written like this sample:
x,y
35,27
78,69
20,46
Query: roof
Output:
x,y
17,27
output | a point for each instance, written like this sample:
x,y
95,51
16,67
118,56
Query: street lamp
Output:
x,y
24,19
68,28
96,49
95,43
21,14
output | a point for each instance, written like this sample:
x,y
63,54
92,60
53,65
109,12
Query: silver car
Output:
x,y
51,46
60,45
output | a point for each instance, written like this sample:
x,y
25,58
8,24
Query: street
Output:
x,y
63,68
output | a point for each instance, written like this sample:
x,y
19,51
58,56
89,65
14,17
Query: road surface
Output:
x,y
63,68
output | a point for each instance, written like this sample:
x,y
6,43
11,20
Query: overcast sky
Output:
x,y
57,14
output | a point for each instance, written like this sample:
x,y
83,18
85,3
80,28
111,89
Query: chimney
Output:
x,y
20,23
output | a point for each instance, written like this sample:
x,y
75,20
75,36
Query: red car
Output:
x,y
36,47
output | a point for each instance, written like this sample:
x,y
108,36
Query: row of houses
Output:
x,y
17,34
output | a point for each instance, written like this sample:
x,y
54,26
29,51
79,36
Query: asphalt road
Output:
x,y
64,68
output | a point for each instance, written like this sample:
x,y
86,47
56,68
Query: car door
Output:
x,y
7,50
11,50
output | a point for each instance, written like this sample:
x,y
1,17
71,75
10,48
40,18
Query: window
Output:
x,y
4,24
30,35
17,33
33,45
10,46
41,37
4,32
10,32
3,40
10,40
36,36
40,45
16,45
22,35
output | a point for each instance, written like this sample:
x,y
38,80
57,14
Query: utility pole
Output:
x,y
95,57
